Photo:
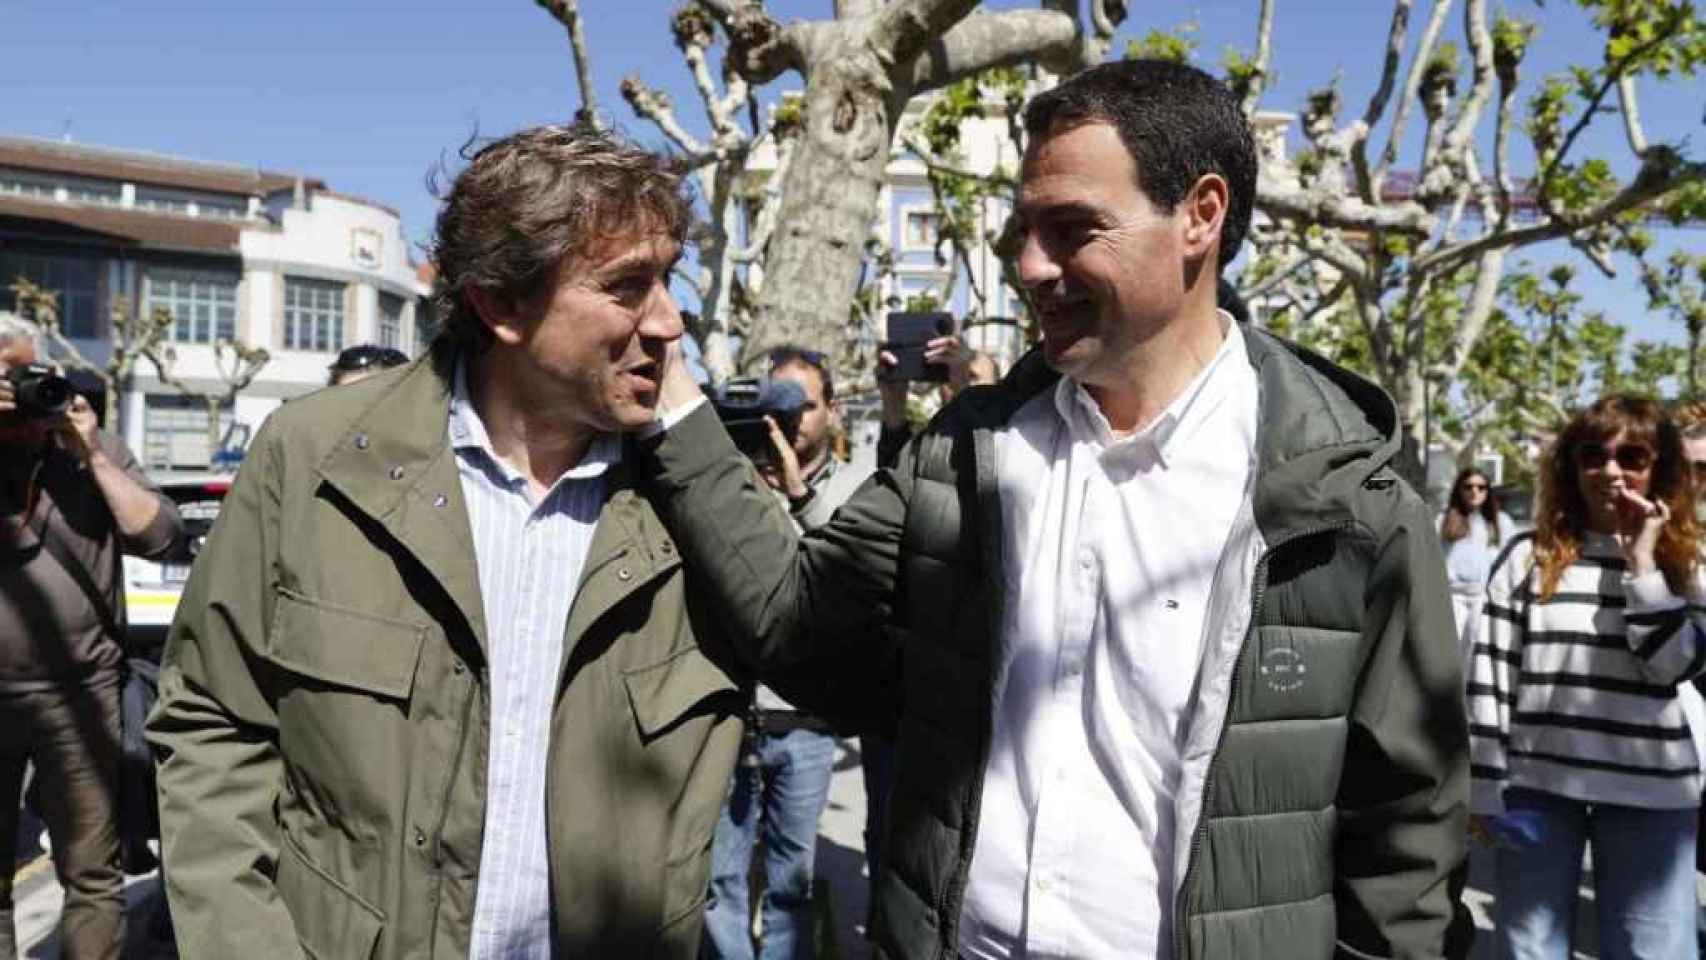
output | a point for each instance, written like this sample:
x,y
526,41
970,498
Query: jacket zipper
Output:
x,y
989,499
1259,588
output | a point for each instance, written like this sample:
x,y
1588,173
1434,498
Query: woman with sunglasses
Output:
x,y
1583,728
1471,530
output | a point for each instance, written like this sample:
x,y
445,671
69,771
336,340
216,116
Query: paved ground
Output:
x,y
840,865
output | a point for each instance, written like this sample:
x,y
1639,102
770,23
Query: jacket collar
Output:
x,y
1322,431
394,462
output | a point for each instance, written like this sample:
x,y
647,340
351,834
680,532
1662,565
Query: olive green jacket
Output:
x,y
323,715
1322,804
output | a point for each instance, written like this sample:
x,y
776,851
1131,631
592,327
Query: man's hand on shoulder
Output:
x,y
678,390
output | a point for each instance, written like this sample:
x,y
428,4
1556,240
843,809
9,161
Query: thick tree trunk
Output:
x,y
829,201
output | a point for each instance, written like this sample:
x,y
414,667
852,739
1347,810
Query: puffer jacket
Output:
x,y
1323,804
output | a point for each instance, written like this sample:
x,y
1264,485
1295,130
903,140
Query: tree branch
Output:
x,y
1502,143
1412,88
654,105
1613,74
1654,180
986,40
1481,49
905,27
1264,52
1395,35
567,13
1631,115
1334,209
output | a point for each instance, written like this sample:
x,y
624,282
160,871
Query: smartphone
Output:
x,y
908,332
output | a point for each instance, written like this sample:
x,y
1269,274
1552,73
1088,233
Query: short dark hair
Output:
x,y
528,201
789,355
1177,122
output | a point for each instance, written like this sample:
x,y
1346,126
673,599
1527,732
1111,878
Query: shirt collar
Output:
x,y
468,436
1161,437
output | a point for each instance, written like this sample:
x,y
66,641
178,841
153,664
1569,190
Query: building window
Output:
x,y
313,314
390,320
174,431
203,303
75,279
23,184
918,229
227,206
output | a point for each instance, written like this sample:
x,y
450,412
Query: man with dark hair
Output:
x,y
73,501
437,686
782,782
362,361
1166,641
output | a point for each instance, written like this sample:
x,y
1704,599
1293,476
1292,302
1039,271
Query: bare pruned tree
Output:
x,y
808,221
1354,255
134,335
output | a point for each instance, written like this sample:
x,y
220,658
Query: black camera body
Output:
x,y
742,403
908,332
39,391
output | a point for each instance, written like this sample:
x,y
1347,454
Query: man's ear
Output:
x,y
499,314
1204,209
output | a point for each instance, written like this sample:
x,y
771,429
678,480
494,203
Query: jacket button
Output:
x,y
361,441
420,837
624,574
396,473
667,547
458,668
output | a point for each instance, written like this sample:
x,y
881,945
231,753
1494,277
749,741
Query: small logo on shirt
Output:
x,y
1283,669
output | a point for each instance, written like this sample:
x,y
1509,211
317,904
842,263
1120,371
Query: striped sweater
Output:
x,y
1582,695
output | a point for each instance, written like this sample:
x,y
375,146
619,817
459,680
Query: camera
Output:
x,y
742,403
38,391
907,335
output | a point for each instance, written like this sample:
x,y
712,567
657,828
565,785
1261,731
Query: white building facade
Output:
x,y
234,254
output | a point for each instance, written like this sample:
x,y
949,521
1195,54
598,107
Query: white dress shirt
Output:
x,y
529,556
1109,550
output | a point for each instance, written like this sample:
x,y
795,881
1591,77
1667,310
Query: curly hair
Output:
x,y
1563,515
530,201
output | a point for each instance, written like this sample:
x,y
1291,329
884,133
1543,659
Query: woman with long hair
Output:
x,y
1471,530
1582,727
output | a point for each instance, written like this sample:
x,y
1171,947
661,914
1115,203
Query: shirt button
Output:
x,y
458,669
361,441
396,473
1087,559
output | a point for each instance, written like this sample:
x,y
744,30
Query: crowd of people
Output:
x,y
509,652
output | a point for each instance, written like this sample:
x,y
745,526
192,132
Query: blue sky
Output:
x,y
368,96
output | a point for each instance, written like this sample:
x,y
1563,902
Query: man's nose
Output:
x,y
1037,266
662,319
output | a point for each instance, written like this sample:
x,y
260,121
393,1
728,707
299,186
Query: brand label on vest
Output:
x,y
1283,669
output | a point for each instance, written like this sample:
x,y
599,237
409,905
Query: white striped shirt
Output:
x,y
1583,695
529,556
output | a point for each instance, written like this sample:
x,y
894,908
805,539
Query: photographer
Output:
x,y
72,500
789,756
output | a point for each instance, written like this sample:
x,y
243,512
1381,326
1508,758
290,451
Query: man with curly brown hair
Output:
x,y
437,686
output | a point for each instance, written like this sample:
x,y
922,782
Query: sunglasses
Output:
x,y
360,358
1634,457
1473,485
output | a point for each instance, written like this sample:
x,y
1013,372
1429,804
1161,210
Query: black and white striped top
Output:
x,y
1583,695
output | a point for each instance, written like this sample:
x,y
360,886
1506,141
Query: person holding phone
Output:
x,y
1583,721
